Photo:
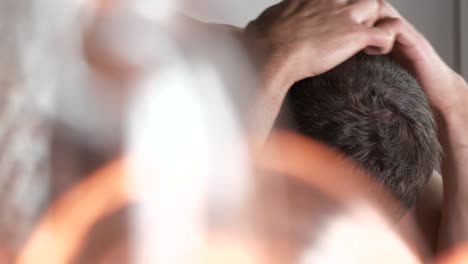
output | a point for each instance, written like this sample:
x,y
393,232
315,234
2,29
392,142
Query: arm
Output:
x,y
448,94
296,39
454,222
288,42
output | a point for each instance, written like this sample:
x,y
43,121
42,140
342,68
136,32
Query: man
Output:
x,y
289,36
447,91
277,41
374,111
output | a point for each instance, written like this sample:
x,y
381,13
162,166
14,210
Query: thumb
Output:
x,y
378,40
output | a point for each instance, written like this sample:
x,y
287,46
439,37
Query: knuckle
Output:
x,y
349,13
398,22
357,34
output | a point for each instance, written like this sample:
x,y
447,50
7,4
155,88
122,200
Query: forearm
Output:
x,y
454,138
274,84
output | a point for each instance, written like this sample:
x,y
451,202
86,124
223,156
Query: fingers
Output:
x,y
289,6
377,40
405,34
412,45
409,47
364,11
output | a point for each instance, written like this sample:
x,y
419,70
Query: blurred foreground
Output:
x,y
123,141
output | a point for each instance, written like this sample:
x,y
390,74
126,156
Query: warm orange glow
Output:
x,y
324,169
457,255
61,232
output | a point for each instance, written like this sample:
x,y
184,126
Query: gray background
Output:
x,y
464,37
443,22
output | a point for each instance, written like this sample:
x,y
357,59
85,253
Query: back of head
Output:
x,y
373,111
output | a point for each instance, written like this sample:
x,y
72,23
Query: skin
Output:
x,y
301,38
296,39
290,37
286,41
447,91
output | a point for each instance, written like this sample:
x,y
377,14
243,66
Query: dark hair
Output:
x,y
373,111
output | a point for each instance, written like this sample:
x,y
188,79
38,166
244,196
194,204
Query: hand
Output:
x,y
445,89
448,93
309,37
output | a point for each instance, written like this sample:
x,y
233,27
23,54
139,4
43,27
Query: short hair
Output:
x,y
373,111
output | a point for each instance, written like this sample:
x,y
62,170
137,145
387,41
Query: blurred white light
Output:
x,y
156,10
182,130
362,237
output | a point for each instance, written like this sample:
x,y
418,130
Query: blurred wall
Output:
x,y
438,20
464,37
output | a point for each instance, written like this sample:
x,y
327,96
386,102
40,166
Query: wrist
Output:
x,y
457,112
454,117
273,63
454,127
276,75
454,138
